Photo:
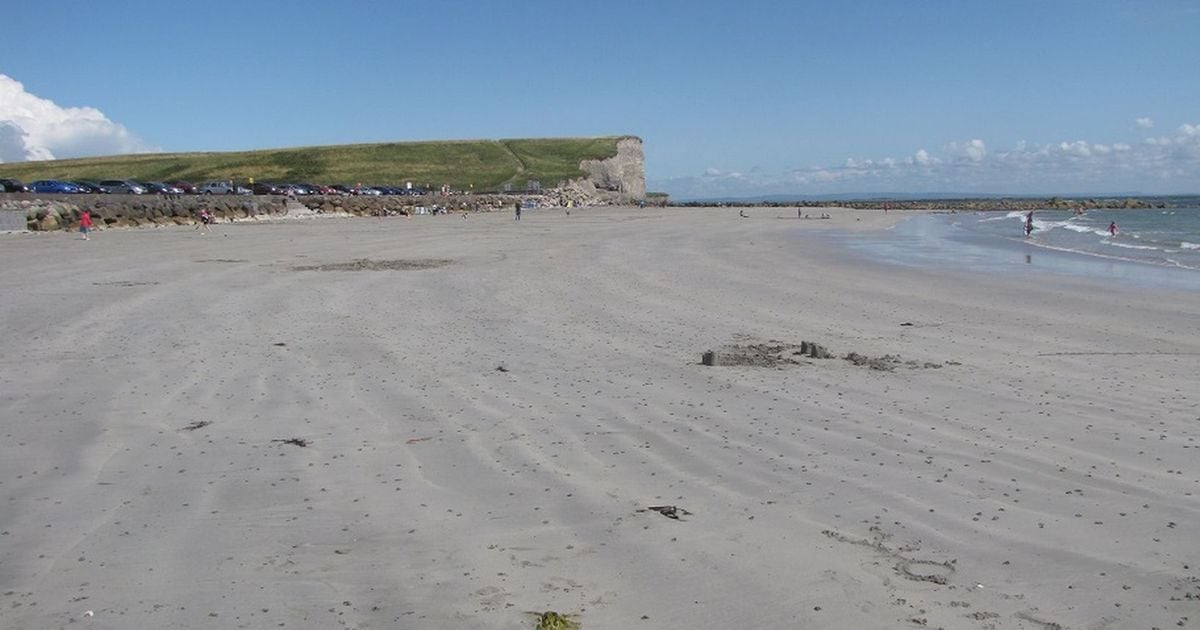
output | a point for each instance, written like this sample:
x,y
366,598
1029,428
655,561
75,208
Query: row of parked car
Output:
x,y
223,187
337,189
118,187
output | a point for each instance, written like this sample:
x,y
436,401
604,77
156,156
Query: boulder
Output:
x,y
49,222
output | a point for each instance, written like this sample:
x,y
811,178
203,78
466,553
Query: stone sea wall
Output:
x,y
57,212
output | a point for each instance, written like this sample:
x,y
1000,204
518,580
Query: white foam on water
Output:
x,y
1129,246
1187,245
1175,263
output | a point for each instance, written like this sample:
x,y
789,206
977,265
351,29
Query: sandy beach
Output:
x,y
441,422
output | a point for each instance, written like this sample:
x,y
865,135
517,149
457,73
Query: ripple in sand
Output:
x,y
366,264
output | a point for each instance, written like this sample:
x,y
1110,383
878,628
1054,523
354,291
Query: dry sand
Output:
x,y
448,423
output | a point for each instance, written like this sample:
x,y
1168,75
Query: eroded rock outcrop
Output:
x,y
622,175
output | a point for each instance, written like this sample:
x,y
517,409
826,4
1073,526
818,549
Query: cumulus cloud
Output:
x,y
34,128
1144,123
973,150
1163,164
922,158
15,146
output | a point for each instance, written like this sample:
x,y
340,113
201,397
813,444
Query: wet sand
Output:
x,y
441,422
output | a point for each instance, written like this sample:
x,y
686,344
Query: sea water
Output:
x,y
1158,246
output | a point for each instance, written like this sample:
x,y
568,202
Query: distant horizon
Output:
x,y
933,196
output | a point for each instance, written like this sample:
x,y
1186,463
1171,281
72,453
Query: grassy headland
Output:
x,y
479,164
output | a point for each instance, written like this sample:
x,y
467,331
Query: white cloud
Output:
x,y
15,147
1145,123
34,128
973,150
1079,148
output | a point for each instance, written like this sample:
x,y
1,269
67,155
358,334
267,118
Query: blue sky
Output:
x,y
753,97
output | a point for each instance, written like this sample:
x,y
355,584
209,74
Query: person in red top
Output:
x,y
85,223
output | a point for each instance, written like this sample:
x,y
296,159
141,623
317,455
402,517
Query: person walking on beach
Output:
x,y
85,224
517,208
1112,229
205,221
1029,223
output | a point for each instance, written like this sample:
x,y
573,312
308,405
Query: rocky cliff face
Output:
x,y
622,175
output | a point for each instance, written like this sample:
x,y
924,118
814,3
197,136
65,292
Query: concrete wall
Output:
x,y
12,220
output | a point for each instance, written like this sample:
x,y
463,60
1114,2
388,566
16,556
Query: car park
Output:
x,y
12,186
123,187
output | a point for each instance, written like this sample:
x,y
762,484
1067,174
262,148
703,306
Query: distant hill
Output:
x,y
482,165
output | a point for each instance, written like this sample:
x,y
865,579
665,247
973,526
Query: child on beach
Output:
x,y
85,223
1112,229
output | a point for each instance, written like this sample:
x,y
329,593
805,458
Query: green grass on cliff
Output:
x,y
480,164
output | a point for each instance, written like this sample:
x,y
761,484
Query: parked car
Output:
x,y
263,188
90,187
159,188
323,190
12,185
188,188
316,189
47,186
223,187
123,187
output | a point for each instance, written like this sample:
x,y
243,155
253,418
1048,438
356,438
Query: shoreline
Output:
x,y
931,241
1028,459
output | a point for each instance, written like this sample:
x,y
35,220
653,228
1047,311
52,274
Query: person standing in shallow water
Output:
x,y
1112,229
1029,223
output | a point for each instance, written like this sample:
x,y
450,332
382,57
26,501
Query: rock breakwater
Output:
x,y
125,211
